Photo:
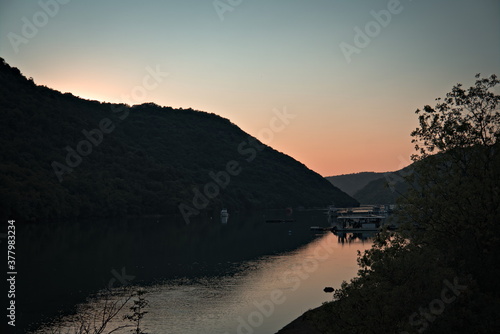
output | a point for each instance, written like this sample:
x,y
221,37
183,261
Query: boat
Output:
x,y
368,218
224,216
358,223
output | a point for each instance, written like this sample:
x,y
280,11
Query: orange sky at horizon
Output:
x,y
353,113
353,153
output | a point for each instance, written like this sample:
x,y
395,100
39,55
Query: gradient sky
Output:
x,y
265,55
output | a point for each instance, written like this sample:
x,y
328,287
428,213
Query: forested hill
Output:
x,y
351,183
373,188
65,157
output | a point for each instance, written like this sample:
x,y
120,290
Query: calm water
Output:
x,y
206,277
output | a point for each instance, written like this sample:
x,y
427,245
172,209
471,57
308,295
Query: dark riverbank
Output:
x,y
301,325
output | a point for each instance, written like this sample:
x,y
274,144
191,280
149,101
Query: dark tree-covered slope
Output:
x,y
384,190
351,183
373,188
65,157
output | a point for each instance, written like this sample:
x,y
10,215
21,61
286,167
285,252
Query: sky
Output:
x,y
348,75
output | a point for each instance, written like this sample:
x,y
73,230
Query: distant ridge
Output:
x,y
351,183
371,187
65,157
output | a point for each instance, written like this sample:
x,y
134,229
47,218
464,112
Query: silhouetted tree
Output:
x,y
138,311
450,231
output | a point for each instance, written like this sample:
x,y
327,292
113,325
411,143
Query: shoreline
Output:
x,y
301,325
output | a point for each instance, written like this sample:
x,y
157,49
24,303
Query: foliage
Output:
x,y
457,202
450,231
95,319
465,118
138,311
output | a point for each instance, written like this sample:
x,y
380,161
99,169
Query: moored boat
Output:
x,y
224,216
359,223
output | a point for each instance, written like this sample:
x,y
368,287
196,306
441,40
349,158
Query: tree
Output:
x,y
465,118
453,206
456,198
138,311
95,319
449,233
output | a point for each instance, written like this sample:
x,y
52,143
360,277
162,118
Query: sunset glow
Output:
x,y
353,112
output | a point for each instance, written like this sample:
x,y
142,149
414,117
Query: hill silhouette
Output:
x,y
384,190
371,187
351,183
65,157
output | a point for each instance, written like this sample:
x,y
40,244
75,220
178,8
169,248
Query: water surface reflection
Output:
x,y
260,295
203,277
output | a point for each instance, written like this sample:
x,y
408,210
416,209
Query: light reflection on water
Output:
x,y
229,303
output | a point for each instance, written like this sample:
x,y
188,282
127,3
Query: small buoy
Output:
x,y
328,289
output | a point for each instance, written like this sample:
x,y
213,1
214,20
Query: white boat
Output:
x,y
224,216
358,223
361,219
